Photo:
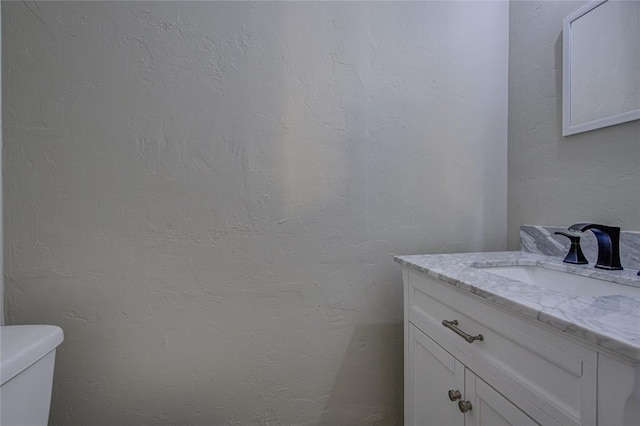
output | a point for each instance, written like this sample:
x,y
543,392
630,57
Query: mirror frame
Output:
x,y
567,127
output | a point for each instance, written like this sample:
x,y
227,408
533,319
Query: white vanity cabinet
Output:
x,y
521,373
431,372
440,390
490,408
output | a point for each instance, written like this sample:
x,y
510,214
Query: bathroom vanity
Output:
x,y
486,346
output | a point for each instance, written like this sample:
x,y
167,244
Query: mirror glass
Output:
x,y
601,65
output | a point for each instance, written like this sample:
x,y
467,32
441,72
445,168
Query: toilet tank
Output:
x,y
27,356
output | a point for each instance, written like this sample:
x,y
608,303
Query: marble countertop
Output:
x,y
611,322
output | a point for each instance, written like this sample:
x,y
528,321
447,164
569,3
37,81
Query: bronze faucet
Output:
x,y
608,238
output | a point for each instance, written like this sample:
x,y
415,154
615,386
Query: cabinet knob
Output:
x,y
454,395
465,406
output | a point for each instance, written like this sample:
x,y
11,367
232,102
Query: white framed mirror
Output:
x,y
601,66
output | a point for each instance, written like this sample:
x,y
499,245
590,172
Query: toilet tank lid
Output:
x,y
23,345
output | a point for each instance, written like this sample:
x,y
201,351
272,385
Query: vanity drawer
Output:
x,y
549,377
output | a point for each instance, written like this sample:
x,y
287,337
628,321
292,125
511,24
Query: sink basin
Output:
x,y
575,285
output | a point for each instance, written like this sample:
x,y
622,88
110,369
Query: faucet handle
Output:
x,y
575,254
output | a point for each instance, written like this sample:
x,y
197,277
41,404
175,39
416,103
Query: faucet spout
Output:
x,y
608,238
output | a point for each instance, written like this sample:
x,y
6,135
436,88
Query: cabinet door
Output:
x,y
430,374
489,408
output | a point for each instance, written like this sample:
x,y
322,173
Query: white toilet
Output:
x,y
27,355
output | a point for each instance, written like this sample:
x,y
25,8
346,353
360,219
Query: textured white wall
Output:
x,y
207,196
556,180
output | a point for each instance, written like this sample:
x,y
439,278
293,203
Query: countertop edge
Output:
x,y
459,278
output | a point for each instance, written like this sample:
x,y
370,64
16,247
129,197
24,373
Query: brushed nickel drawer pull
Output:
x,y
452,326
455,395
